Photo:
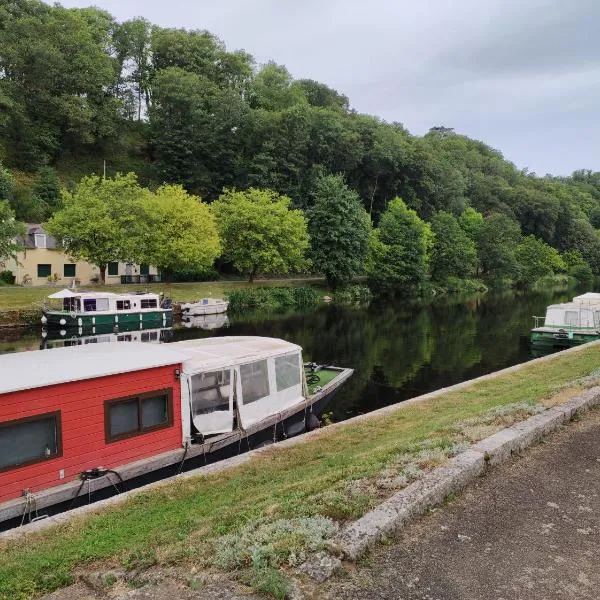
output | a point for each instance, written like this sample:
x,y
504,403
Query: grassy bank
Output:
x,y
14,297
268,512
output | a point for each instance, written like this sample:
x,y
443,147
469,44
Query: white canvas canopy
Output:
x,y
62,294
264,375
572,315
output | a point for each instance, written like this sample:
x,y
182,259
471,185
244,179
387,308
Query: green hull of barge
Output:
x,y
66,320
561,339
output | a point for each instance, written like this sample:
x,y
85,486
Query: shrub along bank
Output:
x,y
264,515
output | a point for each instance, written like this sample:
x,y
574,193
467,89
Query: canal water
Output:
x,y
398,349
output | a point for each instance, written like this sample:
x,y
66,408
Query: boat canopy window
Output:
x,y
148,303
29,440
123,304
72,304
210,392
255,381
571,317
95,304
287,371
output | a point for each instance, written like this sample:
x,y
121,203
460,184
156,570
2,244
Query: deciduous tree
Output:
x,y
9,230
260,233
454,253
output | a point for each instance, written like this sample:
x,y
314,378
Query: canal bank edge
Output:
x,y
556,417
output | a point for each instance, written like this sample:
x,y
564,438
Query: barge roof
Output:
x,y
218,352
40,368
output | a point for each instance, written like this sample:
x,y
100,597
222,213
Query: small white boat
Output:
x,y
206,306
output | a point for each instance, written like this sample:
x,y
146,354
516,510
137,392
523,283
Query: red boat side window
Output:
x,y
128,417
30,440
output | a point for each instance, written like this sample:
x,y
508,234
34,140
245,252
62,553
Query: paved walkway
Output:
x,y
528,530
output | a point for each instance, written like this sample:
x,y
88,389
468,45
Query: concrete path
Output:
x,y
528,530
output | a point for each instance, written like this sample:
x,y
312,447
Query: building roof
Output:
x,y
218,352
28,240
40,368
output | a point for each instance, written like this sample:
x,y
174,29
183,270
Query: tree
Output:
x,y
339,230
497,242
176,231
6,184
400,250
454,253
536,259
9,230
471,222
97,218
259,232
46,189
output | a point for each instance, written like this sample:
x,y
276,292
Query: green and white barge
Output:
x,y
87,310
568,324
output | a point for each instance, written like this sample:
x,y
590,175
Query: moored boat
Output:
x,y
91,309
568,324
108,412
206,306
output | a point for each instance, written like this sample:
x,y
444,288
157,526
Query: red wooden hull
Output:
x,y
81,406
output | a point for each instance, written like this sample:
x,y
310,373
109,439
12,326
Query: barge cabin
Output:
x,y
102,410
88,310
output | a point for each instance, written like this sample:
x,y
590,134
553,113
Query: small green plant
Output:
x,y
354,295
7,277
270,581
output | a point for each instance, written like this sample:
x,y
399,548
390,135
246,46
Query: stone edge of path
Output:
x,y
236,461
431,490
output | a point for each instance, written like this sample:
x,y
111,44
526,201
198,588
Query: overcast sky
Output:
x,y
521,75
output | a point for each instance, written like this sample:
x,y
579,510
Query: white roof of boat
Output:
x,y
588,297
216,352
575,305
99,294
39,368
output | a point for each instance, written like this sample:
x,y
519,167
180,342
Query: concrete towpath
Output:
x,y
529,530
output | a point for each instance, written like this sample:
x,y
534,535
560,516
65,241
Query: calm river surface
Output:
x,y
397,350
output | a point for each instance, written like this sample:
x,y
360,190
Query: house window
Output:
x,y
44,270
113,268
144,270
128,417
69,271
287,371
148,303
255,381
40,240
30,440
123,304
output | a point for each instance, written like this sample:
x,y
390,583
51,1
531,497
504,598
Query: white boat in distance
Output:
x,y
206,306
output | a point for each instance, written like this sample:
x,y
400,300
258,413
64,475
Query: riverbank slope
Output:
x,y
285,501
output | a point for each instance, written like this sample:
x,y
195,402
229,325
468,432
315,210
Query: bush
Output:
x,y
354,295
582,273
7,277
209,274
271,298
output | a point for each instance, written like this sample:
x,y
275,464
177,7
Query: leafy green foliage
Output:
x,y
260,233
454,253
6,184
339,231
536,259
175,231
400,251
272,298
497,242
97,218
10,228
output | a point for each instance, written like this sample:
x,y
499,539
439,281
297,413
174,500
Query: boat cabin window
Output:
x,y
254,378
571,317
287,371
149,336
95,304
30,440
210,392
72,304
123,304
148,303
134,416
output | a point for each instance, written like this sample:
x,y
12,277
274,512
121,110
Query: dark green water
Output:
x,y
397,350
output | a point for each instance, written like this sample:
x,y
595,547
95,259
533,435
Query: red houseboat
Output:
x,y
102,411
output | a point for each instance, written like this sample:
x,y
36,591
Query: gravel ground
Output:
x,y
527,530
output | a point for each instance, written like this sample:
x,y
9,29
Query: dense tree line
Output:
x,y
176,107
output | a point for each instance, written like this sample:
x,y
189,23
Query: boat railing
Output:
x,y
538,321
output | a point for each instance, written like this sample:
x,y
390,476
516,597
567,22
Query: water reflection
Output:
x,y
398,350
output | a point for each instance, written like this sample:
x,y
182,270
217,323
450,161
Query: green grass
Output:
x,y
17,297
179,523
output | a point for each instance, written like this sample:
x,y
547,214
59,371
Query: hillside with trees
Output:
x,y
81,92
